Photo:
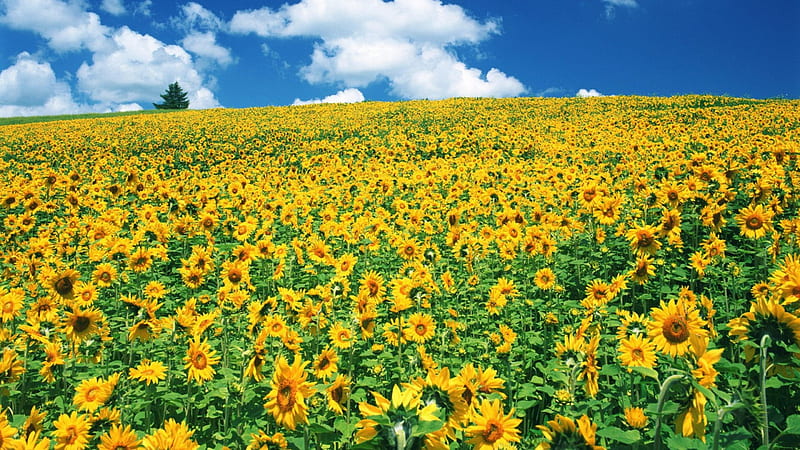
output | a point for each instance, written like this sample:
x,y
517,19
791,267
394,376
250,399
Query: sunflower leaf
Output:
x,y
619,435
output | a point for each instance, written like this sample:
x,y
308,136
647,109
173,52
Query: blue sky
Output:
x,y
69,56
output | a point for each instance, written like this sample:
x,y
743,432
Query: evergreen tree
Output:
x,y
174,98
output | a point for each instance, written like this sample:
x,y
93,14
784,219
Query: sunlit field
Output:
x,y
556,273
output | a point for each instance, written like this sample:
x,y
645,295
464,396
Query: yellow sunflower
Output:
x,y
492,429
420,328
148,372
93,393
104,275
11,304
325,364
635,417
563,432
119,438
337,394
545,279
63,283
672,325
341,337
767,317
71,431
263,441
200,359
290,390
79,324
754,221
643,240
637,351
172,435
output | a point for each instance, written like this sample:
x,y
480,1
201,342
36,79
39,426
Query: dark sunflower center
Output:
x,y
493,431
235,277
82,324
63,286
754,223
200,361
421,329
675,329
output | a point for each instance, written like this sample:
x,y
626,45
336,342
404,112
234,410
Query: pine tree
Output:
x,y
174,98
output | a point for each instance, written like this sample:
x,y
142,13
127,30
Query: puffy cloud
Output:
x,y
350,95
407,42
30,87
66,26
205,45
129,107
113,7
138,68
588,93
126,66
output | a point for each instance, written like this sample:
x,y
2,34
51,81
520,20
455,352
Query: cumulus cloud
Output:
x,y
205,45
126,67
583,93
137,68
66,26
407,42
195,17
29,87
350,95
113,7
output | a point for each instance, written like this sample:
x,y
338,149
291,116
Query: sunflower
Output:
x,y
767,317
93,393
325,364
563,433
396,418
637,351
287,399
148,372
33,441
447,394
672,325
71,431
192,277
275,325
53,357
635,417
104,275
643,240
7,432
644,270
263,441
493,429
172,435
790,289
119,438
345,264
409,248
373,284
420,328
255,365
341,337
338,393
11,304
80,324
33,423
200,359
235,273
754,221
545,279
692,420
140,260
63,283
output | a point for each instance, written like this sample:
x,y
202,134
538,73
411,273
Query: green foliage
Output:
x,y
174,98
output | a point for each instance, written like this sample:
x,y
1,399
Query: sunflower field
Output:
x,y
617,272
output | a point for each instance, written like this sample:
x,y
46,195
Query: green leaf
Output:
x,y
619,435
679,441
646,372
425,427
793,424
525,404
774,383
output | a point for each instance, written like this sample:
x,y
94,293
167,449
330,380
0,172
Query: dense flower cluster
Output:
x,y
455,274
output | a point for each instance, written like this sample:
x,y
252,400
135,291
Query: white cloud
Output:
x,y
138,68
113,7
588,93
126,66
205,45
611,4
350,95
30,88
143,8
407,42
195,17
66,26
129,107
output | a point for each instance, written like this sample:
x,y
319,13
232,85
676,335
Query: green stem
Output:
x,y
764,415
662,396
